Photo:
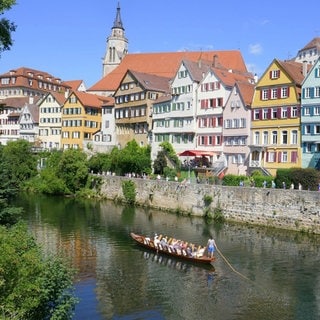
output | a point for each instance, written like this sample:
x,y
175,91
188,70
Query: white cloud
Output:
x,y
255,48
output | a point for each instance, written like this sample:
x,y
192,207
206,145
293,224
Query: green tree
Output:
x,y
6,27
100,162
73,169
18,164
160,162
132,158
32,286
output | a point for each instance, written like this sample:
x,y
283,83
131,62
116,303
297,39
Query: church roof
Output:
x,y
165,64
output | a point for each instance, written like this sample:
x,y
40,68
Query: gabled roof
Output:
x,y
294,70
34,111
197,68
165,64
150,81
74,84
229,77
164,98
59,97
246,91
91,100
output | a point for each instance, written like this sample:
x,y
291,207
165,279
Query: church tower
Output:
x,y
117,45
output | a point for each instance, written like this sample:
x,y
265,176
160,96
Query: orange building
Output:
x,y
81,118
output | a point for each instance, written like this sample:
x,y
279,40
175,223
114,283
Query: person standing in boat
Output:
x,y
211,247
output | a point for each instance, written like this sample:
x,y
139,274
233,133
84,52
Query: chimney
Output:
x,y
215,61
304,68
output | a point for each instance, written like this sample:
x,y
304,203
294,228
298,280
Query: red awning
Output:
x,y
196,153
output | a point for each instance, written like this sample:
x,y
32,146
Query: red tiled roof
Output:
x,y
24,76
246,91
294,70
166,64
74,84
91,100
18,102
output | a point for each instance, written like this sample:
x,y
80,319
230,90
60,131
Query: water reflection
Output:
x,y
119,280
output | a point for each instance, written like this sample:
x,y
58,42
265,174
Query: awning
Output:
x,y
196,153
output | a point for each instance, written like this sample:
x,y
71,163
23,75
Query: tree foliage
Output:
x,y
6,26
18,164
31,286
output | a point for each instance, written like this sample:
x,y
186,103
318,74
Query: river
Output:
x,y
267,274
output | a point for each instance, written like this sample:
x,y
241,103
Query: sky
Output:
x,y
67,39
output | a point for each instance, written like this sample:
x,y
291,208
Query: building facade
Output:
x,y
133,106
275,124
310,118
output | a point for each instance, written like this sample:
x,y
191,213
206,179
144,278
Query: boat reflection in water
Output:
x,y
175,263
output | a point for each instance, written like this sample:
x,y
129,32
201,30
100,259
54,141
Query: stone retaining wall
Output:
x,y
287,209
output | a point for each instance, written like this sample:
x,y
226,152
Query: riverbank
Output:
x,y
286,209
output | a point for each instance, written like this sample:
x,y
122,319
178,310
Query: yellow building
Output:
x,y
275,125
81,118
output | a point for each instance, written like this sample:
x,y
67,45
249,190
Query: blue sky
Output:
x,y
68,38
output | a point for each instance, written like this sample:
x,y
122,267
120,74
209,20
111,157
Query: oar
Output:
x,y
229,264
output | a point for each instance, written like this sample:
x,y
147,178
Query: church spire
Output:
x,y
117,22
117,45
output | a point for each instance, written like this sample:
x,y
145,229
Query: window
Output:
x,y
265,114
308,147
274,93
275,74
274,113
284,137
256,114
271,157
294,112
307,111
284,156
307,92
274,137
307,129
317,92
316,111
264,94
284,112
294,137
257,137
284,92
317,129
265,137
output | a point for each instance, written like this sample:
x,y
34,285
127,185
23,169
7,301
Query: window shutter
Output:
x,y
278,113
214,102
288,92
267,156
269,114
294,156
289,112
269,94
279,93
270,74
279,156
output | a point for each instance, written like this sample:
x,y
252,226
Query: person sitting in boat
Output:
x,y
211,247
164,243
156,240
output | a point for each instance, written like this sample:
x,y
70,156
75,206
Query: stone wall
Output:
x,y
287,209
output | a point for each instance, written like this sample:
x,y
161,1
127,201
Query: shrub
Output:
x,y
129,191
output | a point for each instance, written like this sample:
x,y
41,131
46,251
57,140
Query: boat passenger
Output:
x,y
156,240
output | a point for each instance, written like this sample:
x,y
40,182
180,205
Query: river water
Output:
x,y
267,274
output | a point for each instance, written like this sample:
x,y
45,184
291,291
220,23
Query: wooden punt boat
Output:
x,y
196,256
